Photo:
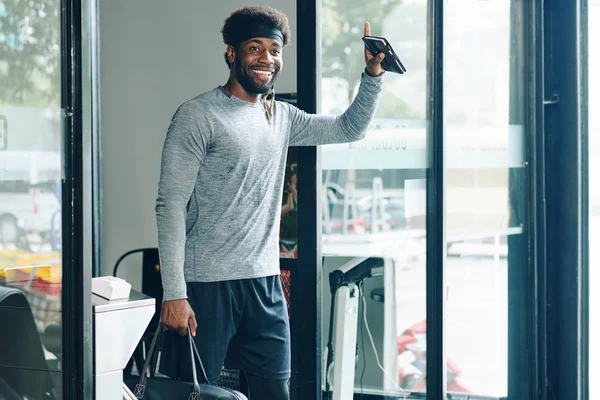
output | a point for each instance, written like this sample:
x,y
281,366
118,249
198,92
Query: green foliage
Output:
x,y
396,106
342,30
30,52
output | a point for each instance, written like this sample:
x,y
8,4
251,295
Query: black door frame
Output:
x,y
436,207
76,213
305,312
566,195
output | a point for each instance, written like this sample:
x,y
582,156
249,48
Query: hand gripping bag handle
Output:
x,y
140,388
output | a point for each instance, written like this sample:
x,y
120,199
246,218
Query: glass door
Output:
x,y
486,186
374,190
32,177
375,196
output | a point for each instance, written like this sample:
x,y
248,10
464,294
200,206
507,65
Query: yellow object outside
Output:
x,y
16,263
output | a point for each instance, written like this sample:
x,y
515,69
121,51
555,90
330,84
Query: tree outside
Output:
x,y
30,49
342,28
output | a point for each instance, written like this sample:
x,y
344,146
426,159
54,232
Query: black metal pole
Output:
x,y
436,231
76,272
536,305
306,277
526,251
566,222
584,374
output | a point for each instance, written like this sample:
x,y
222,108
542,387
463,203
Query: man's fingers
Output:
x,y
183,331
367,29
377,59
193,324
176,315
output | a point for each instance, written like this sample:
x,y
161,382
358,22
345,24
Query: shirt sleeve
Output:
x,y
311,130
184,149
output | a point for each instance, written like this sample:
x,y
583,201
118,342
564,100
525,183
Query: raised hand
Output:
x,y
374,67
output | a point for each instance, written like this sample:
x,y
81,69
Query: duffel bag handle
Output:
x,y
194,351
140,388
194,374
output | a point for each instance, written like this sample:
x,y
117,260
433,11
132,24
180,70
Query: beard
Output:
x,y
245,77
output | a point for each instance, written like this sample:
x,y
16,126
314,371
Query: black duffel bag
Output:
x,y
146,387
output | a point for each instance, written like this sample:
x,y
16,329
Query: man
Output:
x,y
219,204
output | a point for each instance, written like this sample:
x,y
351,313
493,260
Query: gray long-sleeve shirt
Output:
x,y
220,189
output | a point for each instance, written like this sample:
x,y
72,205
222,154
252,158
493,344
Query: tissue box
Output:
x,y
110,287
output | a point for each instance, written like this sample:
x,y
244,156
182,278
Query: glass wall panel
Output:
x,y
486,189
374,190
31,139
594,192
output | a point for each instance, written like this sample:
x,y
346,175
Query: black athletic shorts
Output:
x,y
242,323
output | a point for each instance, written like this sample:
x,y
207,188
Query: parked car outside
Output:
x,y
28,208
393,209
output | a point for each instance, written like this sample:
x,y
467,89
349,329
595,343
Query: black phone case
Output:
x,y
391,62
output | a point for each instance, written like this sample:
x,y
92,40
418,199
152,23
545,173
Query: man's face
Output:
x,y
257,64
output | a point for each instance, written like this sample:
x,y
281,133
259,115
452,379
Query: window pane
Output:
x,y
594,190
288,226
485,192
374,189
30,205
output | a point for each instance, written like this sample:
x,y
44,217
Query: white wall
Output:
x,y
154,55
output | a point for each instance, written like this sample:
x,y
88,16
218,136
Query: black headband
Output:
x,y
246,32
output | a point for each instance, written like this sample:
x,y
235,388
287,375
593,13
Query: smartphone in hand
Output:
x,y
391,62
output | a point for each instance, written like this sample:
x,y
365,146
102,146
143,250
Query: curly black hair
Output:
x,y
250,15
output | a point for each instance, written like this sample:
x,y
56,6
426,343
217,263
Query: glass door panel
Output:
x,y
486,190
31,139
374,190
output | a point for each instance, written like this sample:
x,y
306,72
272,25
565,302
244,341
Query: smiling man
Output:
x,y
219,204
